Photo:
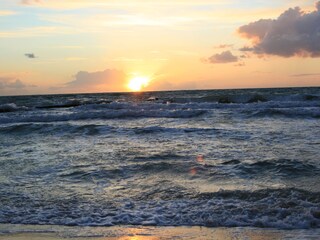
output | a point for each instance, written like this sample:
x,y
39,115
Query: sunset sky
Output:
x,y
70,46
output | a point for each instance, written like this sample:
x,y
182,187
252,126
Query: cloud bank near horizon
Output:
x,y
11,83
293,33
84,80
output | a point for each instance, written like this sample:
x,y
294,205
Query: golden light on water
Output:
x,y
137,83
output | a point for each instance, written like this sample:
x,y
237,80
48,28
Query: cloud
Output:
x,y
88,3
4,13
246,49
37,32
224,57
306,75
130,2
293,33
75,59
107,80
224,46
241,64
11,83
30,2
30,55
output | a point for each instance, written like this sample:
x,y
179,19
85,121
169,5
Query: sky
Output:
x,y
79,46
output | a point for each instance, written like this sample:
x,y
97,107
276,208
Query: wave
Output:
x,y
184,166
280,168
252,96
11,107
119,114
284,167
307,112
153,110
120,101
255,98
55,129
287,208
148,166
74,103
290,103
68,104
74,129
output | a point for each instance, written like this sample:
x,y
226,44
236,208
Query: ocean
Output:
x,y
214,158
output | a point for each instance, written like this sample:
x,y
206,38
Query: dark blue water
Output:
x,y
197,158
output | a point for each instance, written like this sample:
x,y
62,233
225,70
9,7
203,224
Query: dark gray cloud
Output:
x,y
224,57
6,83
89,80
293,33
30,55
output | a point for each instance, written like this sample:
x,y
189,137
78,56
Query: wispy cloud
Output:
x,y
69,47
30,2
305,75
246,49
40,31
222,46
100,22
4,13
72,59
126,59
102,3
293,33
240,64
142,13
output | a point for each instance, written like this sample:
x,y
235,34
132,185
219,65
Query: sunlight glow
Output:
x,y
137,83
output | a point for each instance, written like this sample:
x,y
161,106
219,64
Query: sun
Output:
x,y
137,83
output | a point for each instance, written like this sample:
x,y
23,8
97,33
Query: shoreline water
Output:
x,y
37,232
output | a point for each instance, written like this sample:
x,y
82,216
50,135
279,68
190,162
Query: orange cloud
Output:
x,y
224,57
100,81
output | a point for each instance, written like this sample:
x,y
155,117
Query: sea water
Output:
x,y
216,158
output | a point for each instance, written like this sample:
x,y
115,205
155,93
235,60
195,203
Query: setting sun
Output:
x,y
137,83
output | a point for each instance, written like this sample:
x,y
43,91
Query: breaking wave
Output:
x,y
307,112
287,208
85,115
11,107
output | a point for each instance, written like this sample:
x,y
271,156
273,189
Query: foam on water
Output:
x,y
273,208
